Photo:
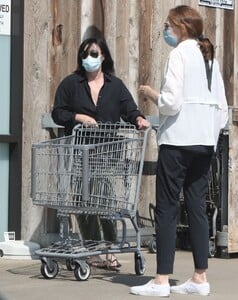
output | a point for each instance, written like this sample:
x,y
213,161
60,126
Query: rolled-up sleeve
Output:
x,y
62,112
170,99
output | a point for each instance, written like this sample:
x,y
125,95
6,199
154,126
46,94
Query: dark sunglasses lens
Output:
x,y
94,53
166,26
84,55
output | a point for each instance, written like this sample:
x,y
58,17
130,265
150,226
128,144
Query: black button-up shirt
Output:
x,y
73,96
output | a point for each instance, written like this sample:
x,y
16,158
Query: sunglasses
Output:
x,y
93,53
166,26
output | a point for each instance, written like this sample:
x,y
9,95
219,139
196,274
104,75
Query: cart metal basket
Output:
x,y
95,171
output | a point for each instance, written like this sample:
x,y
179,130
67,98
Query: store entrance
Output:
x,y
11,77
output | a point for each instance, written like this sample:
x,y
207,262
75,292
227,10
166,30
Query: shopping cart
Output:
x,y
95,171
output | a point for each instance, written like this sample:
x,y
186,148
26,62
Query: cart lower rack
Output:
x,y
95,171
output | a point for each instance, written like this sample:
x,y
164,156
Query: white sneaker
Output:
x,y
151,289
190,287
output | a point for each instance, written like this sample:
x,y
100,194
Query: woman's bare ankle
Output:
x,y
199,276
161,279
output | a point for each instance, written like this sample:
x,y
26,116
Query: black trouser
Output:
x,y
180,168
90,228
94,227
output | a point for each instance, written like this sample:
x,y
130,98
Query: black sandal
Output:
x,y
96,261
99,264
113,264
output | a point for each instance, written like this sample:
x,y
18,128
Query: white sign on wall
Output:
x,y
5,17
227,4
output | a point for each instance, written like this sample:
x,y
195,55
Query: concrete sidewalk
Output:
x,y
22,280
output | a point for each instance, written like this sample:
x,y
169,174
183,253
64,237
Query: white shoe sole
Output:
x,y
149,294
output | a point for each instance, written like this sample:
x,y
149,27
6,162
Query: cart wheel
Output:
x,y
82,273
152,245
139,264
49,271
70,264
212,249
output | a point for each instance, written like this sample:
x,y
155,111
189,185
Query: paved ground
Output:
x,y
21,279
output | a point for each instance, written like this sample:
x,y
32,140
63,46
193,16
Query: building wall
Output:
x,y
133,29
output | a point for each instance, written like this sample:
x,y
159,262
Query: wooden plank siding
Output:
x,y
231,76
53,32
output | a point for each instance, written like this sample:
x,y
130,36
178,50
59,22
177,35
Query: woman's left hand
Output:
x,y
147,92
142,123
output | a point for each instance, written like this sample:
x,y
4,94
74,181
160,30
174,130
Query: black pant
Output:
x,y
180,168
90,228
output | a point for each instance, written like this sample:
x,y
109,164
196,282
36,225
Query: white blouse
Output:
x,y
189,113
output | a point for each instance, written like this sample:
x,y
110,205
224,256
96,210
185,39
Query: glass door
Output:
x,y
5,62
11,102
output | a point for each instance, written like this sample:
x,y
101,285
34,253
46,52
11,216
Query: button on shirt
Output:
x,y
73,96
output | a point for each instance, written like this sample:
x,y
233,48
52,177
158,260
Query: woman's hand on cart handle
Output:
x,y
142,123
85,119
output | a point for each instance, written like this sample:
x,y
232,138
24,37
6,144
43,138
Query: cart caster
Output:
x,y
82,271
49,270
139,263
152,245
70,264
212,249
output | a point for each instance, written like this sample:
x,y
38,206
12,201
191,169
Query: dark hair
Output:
x,y
207,48
184,15
208,53
107,64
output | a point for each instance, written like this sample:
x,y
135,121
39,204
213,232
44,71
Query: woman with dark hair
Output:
x,y
107,63
92,93
192,111
89,95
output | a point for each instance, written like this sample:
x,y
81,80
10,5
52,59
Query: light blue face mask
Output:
x,y
169,38
91,64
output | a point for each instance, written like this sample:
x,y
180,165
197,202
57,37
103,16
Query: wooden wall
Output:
x,y
133,29
231,76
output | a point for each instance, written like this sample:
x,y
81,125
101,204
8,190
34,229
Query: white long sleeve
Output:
x,y
190,114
